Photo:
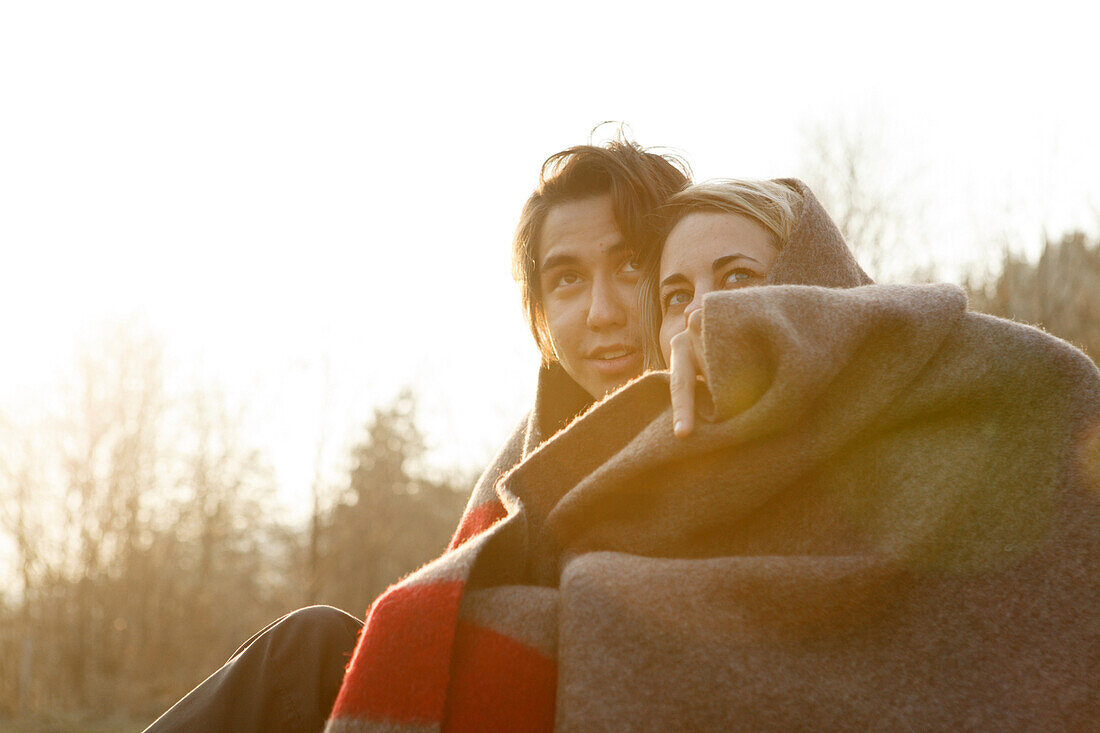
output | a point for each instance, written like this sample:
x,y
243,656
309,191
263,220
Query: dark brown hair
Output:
x,y
638,181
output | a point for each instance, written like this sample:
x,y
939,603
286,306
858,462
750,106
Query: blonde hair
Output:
x,y
774,205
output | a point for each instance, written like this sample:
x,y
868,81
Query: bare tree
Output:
x,y
872,198
108,450
144,544
21,488
137,521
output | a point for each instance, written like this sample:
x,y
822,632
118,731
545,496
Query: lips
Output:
x,y
616,360
615,352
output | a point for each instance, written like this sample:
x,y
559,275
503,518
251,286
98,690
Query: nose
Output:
x,y
696,301
607,309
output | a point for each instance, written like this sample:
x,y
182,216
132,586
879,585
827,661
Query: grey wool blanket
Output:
x,y
889,520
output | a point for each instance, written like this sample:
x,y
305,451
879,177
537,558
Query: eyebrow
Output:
x,y
715,266
723,261
553,261
673,279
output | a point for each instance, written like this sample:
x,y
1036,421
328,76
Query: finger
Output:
x,y
682,385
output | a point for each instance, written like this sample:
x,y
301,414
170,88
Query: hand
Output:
x,y
686,367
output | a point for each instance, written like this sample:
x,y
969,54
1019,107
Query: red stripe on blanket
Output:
x,y
497,683
477,520
396,674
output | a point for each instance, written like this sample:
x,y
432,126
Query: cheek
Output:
x,y
629,293
666,337
560,322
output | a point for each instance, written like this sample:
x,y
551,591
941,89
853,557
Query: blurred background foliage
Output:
x,y
144,549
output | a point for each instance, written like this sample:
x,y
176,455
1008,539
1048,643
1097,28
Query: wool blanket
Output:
x,y
890,520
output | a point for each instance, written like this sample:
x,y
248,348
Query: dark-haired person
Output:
x,y
576,255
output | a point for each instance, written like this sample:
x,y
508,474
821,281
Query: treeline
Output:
x,y
139,545
1059,292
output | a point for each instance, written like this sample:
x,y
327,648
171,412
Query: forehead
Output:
x,y
702,237
583,229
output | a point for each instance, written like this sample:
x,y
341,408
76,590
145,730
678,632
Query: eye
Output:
x,y
675,300
737,277
631,264
565,279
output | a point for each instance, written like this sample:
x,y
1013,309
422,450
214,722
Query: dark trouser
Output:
x,y
285,678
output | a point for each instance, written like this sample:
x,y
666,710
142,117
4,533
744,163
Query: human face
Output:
x,y
708,251
588,278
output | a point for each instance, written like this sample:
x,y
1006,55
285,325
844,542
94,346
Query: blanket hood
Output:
x,y
816,253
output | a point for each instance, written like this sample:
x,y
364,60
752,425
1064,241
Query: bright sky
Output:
x,y
296,195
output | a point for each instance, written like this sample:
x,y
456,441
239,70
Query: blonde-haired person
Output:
x,y
718,235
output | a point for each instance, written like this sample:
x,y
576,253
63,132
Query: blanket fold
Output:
x,y
891,521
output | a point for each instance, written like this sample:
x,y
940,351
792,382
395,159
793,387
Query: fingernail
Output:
x,y
678,428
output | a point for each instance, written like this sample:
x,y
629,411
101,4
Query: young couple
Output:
x,y
887,515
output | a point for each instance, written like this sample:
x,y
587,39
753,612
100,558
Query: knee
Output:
x,y
322,619
318,627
